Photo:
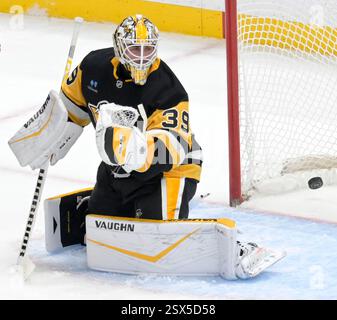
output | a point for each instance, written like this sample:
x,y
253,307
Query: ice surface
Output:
x,y
32,60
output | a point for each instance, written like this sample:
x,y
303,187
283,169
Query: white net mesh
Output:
x,y
125,117
288,87
116,116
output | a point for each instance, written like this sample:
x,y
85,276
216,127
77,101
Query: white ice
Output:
x,y
32,60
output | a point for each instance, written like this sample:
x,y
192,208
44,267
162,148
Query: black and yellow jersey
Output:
x,y
101,79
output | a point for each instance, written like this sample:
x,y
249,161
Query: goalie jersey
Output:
x,y
101,79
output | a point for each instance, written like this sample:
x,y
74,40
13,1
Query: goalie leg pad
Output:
x,y
176,247
65,219
180,247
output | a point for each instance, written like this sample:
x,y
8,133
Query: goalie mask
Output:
x,y
136,43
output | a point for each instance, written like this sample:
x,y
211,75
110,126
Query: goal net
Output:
x,y
287,90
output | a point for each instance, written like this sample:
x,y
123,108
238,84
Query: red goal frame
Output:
x,y
231,35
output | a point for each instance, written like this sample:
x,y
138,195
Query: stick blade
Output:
x,y
25,267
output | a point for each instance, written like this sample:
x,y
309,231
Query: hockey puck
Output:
x,y
315,183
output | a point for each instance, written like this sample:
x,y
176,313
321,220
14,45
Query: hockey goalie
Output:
x,y
135,219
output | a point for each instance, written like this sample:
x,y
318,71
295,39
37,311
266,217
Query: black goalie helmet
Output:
x,y
136,44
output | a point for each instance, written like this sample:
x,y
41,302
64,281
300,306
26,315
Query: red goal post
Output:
x,y
282,94
231,36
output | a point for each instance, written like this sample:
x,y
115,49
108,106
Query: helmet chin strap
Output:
x,y
139,76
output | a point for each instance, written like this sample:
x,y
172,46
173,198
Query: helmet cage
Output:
x,y
136,45
137,53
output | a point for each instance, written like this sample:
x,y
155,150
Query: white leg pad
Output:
x,y
134,246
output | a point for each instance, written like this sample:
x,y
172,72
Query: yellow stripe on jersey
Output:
x,y
173,149
115,62
192,171
77,120
155,66
174,121
173,190
156,124
75,113
150,155
121,137
72,88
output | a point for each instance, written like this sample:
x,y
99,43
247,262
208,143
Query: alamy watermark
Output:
x,y
17,20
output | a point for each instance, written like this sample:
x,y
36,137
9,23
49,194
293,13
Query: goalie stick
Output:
x,y
24,263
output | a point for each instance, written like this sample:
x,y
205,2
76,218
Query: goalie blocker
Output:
x,y
46,136
134,246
